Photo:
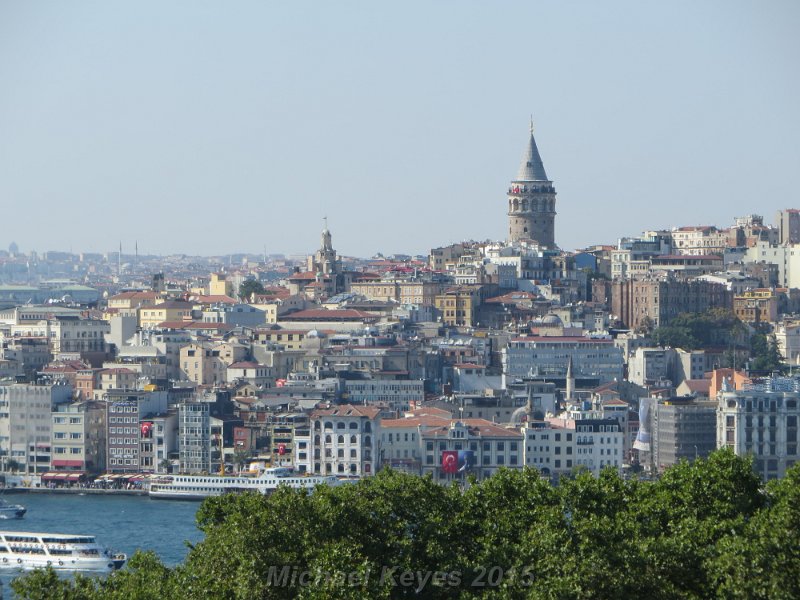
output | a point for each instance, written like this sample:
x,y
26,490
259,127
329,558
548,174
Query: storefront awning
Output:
x,y
66,463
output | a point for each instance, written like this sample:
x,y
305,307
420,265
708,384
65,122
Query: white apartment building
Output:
x,y
699,241
549,447
344,440
26,423
761,420
599,443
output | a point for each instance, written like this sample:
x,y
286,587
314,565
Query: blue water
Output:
x,y
122,523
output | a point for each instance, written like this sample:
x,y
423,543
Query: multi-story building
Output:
x,y
70,336
126,301
401,440
163,436
403,291
470,447
550,446
170,311
116,379
79,437
682,428
658,301
194,437
344,440
458,305
761,420
599,443
86,382
125,411
397,394
594,361
699,240
788,221
26,423
756,306
631,258
202,364
649,365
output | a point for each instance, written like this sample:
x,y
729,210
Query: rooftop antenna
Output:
x,y
119,261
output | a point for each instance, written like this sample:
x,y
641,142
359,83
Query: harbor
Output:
x,y
120,521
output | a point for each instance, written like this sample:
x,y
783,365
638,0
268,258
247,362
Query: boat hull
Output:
x,y
29,563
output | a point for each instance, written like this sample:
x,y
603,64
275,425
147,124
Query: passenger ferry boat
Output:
x,y
63,552
198,487
11,511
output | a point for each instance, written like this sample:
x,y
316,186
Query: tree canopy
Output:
x,y
703,530
249,287
692,331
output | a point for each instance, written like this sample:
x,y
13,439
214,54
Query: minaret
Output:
x,y
532,201
569,390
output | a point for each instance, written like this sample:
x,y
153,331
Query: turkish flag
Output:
x,y
450,461
281,449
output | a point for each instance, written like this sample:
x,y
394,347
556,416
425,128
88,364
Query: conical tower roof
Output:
x,y
531,168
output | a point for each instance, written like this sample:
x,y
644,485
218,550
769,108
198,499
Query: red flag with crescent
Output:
x,y
450,461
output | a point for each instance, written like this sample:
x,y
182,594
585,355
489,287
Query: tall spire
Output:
x,y
570,380
532,167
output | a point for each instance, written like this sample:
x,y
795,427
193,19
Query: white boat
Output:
x,y
197,487
63,552
11,511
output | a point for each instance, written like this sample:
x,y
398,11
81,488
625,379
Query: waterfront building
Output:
x,y
26,423
78,444
125,411
345,440
470,447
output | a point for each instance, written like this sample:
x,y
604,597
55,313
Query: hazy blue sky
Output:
x,y
214,127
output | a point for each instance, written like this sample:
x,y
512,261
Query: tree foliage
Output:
x,y
705,529
716,327
249,287
765,354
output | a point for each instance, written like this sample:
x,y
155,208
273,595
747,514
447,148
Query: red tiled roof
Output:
x,y
245,365
213,299
117,371
347,410
698,385
480,427
304,276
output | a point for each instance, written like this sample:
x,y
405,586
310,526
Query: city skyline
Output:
x,y
193,129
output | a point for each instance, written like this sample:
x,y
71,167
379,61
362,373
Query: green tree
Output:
x,y
704,529
249,287
766,354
